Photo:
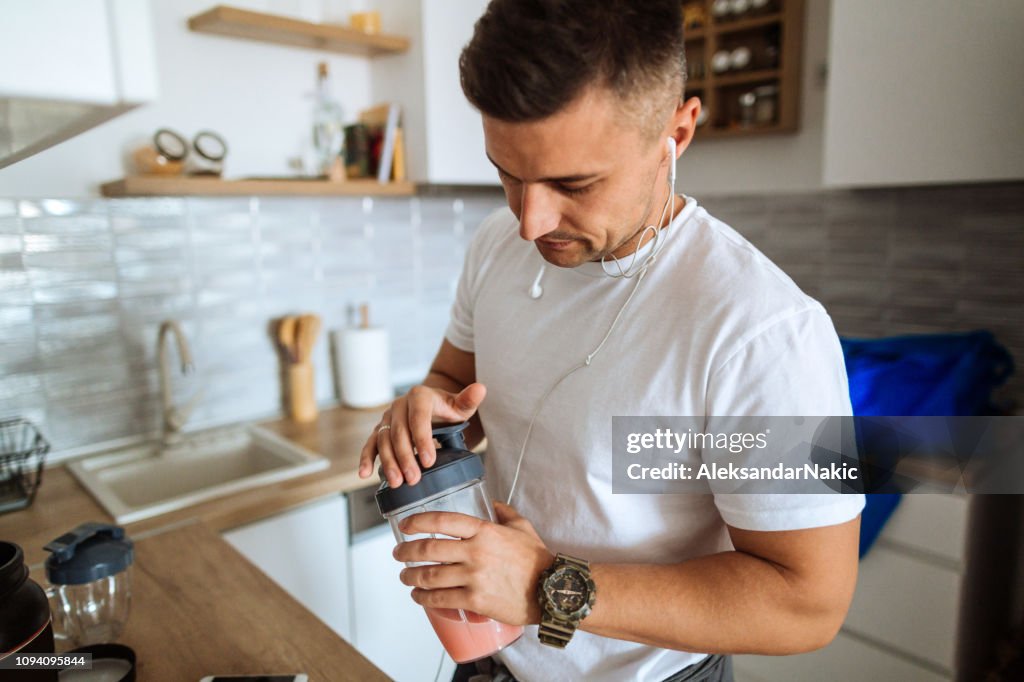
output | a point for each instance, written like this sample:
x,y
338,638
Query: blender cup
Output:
x,y
454,484
90,575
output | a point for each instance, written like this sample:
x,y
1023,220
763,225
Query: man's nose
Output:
x,y
538,213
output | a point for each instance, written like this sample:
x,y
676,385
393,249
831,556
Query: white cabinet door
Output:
x,y
924,91
933,524
389,628
444,134
70,65
61,49
90,51
305,551
909,604
846,659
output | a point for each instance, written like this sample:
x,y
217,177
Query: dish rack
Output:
x,y
22,454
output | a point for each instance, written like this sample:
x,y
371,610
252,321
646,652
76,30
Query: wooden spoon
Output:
x,y
308,331
286,333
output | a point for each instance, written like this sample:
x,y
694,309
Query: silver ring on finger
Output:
x,y
383,427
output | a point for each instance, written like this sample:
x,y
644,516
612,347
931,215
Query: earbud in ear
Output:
x,y
672,160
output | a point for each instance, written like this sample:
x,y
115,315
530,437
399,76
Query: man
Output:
x,y
547,341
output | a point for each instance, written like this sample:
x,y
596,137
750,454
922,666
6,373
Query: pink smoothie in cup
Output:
x,y
467,636
453,484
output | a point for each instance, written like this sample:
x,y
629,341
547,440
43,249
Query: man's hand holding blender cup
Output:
x,y
478,584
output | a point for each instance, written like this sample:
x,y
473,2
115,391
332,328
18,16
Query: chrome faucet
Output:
x,y
174,419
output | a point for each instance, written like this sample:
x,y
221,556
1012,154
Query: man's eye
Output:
x,y
574,191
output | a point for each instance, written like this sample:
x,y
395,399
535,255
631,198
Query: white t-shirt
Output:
x,y
715,328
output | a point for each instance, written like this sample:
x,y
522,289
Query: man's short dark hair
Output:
x,y
528,59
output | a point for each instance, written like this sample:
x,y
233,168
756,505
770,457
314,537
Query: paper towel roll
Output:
x,y
362,368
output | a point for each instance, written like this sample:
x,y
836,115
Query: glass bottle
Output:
x,y
328,124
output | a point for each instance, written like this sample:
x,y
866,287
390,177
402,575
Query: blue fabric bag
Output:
x,y
920,375
925,375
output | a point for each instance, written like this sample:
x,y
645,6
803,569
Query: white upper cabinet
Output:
x,y
924,91
70,65
444,135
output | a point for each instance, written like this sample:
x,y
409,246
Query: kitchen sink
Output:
x,y
143,481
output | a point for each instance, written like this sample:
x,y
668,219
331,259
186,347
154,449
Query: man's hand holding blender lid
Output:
x,y
405,429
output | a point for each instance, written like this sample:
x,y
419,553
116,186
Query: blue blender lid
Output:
x,y
91,551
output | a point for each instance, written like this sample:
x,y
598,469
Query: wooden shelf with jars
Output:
x,y
743,60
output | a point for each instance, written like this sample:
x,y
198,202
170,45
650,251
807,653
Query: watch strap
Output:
x,y
562,559
554,631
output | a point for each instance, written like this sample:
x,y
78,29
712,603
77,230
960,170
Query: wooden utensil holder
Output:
x,y
299,392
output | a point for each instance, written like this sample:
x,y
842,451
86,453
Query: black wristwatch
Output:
x,y
566,594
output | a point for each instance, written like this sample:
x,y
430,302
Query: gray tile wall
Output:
x,y
901,261
85,284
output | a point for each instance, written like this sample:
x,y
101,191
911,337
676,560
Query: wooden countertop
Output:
x,y
199,608
338,434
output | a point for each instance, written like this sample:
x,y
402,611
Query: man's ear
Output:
x,y
684,123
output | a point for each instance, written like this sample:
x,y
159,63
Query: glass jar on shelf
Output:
x,y
766,106
721,10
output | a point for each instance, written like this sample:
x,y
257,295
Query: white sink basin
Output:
x,y
147,480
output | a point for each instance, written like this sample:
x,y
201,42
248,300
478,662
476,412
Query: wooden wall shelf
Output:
x,y
272,28
775,41
747,24
707,133
747,77
160,186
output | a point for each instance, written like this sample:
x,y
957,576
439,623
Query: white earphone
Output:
x,y
672,160
536,290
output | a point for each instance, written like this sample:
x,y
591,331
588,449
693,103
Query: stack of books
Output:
x,y
375,145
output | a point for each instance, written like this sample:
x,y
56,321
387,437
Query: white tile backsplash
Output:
x,y
85,284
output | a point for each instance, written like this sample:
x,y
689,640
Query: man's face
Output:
x,y
582,182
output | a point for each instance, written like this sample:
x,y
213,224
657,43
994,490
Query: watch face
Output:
x,y
567,590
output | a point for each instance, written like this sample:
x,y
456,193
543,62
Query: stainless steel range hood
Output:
x,y
69,65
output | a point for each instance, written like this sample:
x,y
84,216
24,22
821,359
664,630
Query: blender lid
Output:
x,y
91,551
451,469
455,466
110,662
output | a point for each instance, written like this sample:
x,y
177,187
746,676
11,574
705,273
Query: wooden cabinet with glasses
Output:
x,y
743,60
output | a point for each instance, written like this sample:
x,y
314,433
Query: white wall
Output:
x,y
256,95
789,163
960,122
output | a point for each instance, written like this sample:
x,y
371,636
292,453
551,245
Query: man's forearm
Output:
x,y
724,603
